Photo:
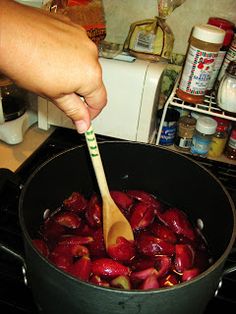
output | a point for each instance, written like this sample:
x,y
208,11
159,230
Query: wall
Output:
x,y
121,13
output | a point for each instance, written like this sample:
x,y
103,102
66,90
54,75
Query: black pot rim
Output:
x,y
218,263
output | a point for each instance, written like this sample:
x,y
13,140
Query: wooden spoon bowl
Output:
x,y
114,222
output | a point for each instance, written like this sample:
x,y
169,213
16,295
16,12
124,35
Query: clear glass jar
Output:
x,y
219,139
226,93
185,130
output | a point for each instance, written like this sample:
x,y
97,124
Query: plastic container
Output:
x,y
204,45
229,34
169,127
220,138
205,128
185,131
230,150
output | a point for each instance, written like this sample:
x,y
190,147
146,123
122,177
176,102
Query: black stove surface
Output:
x,y
15,296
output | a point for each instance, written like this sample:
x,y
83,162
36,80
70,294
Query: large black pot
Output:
x,y
174,178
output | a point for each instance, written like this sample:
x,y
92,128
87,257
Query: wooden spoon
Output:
x,y
114,222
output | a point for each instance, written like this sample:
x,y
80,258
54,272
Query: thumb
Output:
x,y
76,109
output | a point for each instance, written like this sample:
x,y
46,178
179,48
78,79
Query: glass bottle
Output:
x,y
226,93
185,129
229,33
219,139
230,150
230,56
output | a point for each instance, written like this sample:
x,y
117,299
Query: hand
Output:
x,y
54,58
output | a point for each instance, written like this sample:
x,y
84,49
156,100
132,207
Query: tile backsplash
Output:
x,y
121,13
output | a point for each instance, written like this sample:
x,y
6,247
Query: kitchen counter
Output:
x,y
12,156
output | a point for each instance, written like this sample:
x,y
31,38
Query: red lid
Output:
x,y
233,134
222,128
221,23
225,25
221,121
229,34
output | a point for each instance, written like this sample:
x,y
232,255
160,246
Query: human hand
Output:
x,y
52,57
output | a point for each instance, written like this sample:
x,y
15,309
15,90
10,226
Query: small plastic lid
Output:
x,y
206,125
209,33
196,115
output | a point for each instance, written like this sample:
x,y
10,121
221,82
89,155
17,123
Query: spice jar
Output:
x,y
185,129
226,93
204,45
229,33
230,150
219,139
205,128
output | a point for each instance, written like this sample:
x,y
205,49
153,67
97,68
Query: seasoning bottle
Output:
x,y
205,128
169,127
229,33
219,139
226,93
230,56
185,129
204,45
230,150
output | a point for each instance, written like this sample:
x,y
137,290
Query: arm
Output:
x,y
52,57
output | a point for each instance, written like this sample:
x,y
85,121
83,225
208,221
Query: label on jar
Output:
x,y
217,146
168,133
230,56
232,143
200,145
216,68
197,71
183,142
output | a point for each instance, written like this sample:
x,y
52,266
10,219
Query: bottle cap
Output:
x,y
228,37
209,33
206,125
221,23
231,69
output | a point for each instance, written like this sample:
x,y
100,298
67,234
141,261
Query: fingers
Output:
x,y
96,101
76,109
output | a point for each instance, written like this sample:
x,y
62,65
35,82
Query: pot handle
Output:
x,y
18,257
13,253
6,177
232,267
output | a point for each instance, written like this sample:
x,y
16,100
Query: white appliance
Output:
x,y
133,89
13,131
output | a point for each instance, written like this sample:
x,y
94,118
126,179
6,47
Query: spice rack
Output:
x,y
208,107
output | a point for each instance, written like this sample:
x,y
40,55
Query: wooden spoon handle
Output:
x,y
96,161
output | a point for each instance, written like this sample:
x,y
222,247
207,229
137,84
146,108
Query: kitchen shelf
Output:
x,y
208,107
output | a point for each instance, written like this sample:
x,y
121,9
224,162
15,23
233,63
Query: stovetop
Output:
x,y
15,296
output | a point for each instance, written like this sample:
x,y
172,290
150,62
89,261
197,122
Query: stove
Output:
x,y
15,296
